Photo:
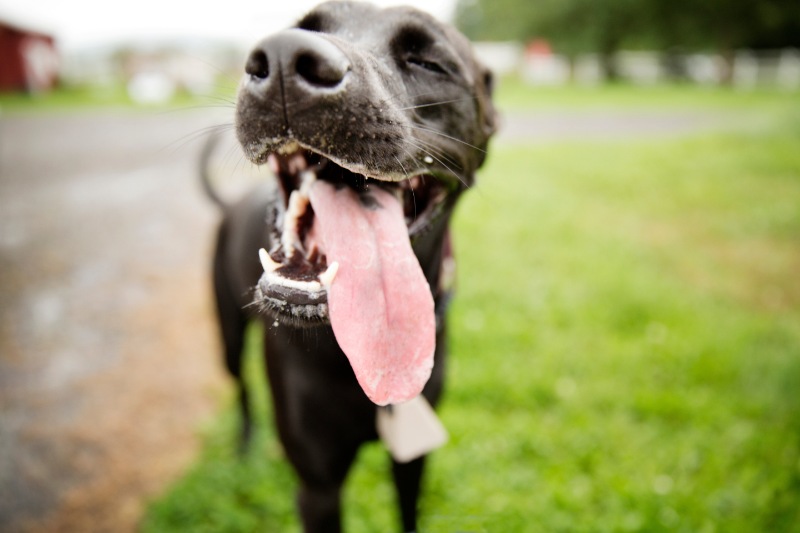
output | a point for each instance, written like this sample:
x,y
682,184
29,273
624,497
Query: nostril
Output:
x,y
321,71
257,65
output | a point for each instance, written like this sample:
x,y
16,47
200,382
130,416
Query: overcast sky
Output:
x,y
78,23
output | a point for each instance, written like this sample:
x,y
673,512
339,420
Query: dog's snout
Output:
x,y
305,60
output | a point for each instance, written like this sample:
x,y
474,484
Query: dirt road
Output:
x,y
108,353
107,364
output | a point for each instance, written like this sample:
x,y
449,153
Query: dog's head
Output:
x,y
374,121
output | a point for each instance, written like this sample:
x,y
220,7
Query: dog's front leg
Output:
x,y
407,480
320,508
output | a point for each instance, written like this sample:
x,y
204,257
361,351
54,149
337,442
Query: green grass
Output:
x,y
513,94
66,98
625,353
88,97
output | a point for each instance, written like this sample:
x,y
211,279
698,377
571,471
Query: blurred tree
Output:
x,y
497,20
726,25
573,27
580,26
605,26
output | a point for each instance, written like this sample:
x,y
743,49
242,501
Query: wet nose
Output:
x,y
302,58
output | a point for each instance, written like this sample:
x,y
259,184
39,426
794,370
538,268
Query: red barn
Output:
x,y
28,59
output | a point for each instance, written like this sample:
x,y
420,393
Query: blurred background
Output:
x,y
626,335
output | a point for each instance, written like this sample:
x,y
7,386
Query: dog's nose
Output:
x,y
301,56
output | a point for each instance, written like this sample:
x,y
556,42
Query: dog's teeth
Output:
x,y
308,178
291,235
326,278
298,204
267,262
272,163
297,164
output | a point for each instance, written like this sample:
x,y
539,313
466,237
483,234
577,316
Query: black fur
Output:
x,y
383,93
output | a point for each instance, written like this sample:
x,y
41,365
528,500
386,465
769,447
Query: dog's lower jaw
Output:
x,y
295,315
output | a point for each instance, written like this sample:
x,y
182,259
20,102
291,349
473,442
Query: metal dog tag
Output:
x,y
410,430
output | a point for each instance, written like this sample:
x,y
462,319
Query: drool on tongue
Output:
x,y
380,304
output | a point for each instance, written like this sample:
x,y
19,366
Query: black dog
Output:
x,y
374,122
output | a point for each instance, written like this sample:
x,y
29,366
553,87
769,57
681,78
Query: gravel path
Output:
x,y
108,354
108,351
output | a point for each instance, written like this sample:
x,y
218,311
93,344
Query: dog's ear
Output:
x,y
487,114
485,93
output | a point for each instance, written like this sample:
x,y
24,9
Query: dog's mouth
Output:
x,y
297,269
342,253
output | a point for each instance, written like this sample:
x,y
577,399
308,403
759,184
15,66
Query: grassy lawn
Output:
x,y
115,95
66,98
625,348
516,95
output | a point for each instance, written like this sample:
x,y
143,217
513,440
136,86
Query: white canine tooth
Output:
x,y
428,160
267,262
297,201
326,278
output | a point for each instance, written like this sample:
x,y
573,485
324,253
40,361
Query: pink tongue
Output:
x,y
380,304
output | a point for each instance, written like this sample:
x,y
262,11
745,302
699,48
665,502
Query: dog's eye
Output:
x,y
431,66
415,47
312,22
488,82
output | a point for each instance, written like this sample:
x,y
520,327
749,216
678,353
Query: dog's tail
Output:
x,y
233,358
212,140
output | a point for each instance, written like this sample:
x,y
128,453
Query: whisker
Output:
x,y
183,141
232,152
413,196
438,151
437,132
220,71
220,98
464,183
405,172
196,107
220,103
418,95
437,103
242,161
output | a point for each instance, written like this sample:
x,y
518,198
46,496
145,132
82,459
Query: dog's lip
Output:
x,y
290,146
